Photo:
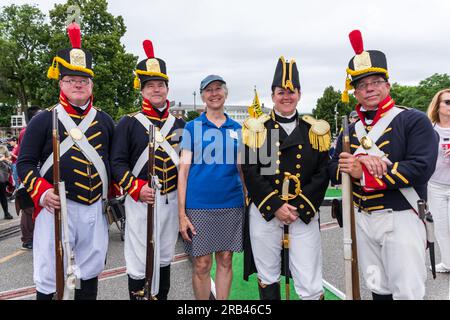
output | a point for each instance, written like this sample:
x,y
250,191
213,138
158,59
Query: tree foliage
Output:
x,y
23,42
28,44
420,96
191,115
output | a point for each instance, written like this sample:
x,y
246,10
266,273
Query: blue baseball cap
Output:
x,y
211,78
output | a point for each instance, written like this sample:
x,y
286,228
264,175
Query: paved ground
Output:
x,y
16,280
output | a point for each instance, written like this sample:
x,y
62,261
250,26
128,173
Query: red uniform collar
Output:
x,y
150,111
68,107
383,107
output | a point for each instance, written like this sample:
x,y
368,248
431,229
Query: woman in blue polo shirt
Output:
x,y
210,192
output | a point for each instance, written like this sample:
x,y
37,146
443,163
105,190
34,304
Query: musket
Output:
x,y
352,290
427,218
146,292
59,255
286,196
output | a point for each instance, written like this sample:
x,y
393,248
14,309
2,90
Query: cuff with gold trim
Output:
x,y
135,189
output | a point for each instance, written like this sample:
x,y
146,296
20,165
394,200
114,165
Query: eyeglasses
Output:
x,y
72,82
365,85
446,102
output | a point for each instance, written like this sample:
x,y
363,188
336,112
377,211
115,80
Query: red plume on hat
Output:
x,y
148,48
356,41
74,32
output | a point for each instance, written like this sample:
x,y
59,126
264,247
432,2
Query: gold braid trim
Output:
x,y
266,198
137,82
53,71
353,73
287,84
308,202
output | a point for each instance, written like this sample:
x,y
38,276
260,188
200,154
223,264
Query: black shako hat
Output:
x,y
363,64
73,61
149,69
286,75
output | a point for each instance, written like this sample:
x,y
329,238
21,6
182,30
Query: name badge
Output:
x,y
233,134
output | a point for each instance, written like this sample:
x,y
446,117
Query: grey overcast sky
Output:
x,y
241,40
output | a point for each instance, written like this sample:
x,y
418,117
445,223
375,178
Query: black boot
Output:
x,y
88,290
8,216
135,286
164,283
42,296
269,292
376,296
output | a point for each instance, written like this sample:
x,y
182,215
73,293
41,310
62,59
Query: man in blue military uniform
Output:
x,y
394,152
284,145
86,134
129,162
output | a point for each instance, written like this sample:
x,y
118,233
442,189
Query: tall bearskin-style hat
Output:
x,y
151,68
73,61
363,64
286,75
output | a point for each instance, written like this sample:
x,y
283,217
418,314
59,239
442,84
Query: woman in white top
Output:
x,y
439,184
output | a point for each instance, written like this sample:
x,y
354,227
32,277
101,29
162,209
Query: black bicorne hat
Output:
x,y
73,61
286,75
149,69
363,64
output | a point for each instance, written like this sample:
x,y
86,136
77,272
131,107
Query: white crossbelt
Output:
x,y
83,144
143,158
377,131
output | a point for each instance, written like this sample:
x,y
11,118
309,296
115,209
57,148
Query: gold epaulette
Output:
x,y
97,108
319,133
51,108
254,132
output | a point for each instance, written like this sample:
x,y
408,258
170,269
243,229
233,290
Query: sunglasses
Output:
x,y
447,102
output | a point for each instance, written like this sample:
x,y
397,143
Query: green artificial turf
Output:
x,y
243,290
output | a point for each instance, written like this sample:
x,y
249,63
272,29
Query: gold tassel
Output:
x,y
321,143
252,139
137,83
345,98
53,71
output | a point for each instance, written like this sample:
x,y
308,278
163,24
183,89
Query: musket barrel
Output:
x,y
59,262
349,231
150,214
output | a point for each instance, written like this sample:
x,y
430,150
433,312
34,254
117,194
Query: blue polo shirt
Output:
x,y
213,181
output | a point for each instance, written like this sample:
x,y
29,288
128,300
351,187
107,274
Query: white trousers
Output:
x,y
439,205
88,228
391,253
165,231
305,253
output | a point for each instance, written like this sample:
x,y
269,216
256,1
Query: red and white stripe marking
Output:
x,y
30,292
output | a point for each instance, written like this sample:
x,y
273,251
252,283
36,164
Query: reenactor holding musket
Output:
x,y
130,155
393,154
85,134
285,171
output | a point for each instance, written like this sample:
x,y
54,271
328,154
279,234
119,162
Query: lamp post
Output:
x,y
336,119
195,109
